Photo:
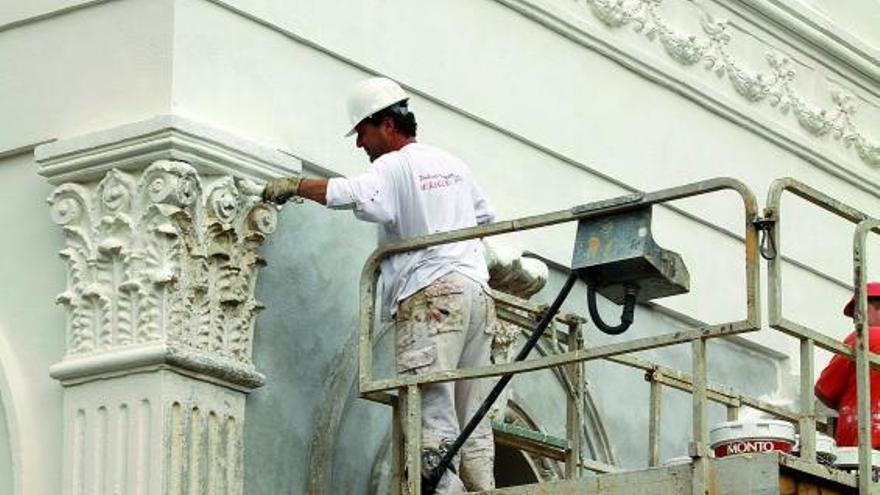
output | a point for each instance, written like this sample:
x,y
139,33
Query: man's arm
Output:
x,y
313,189
832,383
364,194
283,188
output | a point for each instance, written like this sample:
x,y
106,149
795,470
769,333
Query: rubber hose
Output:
x,y
626,319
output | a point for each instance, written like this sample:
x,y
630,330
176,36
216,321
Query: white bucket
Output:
x,y
848,460
677,461
825,448
751,436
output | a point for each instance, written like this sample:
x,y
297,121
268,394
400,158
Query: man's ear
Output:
x,y
388,126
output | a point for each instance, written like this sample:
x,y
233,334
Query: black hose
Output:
x,y
626,319
431,479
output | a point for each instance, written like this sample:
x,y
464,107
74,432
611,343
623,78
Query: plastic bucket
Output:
x,y
751,436
848,460
825,448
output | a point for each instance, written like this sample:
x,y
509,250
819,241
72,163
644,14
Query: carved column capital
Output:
x,y
162,221
161,262
161,253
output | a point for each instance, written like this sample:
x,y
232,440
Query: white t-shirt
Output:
x,y
415,191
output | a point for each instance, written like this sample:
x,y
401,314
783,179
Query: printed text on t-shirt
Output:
x,y
436,181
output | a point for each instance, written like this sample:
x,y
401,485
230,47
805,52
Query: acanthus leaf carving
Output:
x,y
774,86
165,254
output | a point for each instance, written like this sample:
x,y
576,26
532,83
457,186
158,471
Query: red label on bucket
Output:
x,y
751,447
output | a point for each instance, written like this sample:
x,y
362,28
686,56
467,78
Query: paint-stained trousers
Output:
x,y
447,325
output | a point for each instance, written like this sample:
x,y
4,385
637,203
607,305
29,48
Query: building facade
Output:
x,y
191,339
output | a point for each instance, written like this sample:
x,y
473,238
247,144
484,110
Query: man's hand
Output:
x,y
280,190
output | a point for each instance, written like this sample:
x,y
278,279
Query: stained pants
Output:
x,y
447,325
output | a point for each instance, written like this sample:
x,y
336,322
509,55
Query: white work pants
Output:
x,y
447,325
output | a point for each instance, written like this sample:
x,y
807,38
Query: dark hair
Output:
x,y
404,120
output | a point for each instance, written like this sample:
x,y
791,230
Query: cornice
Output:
x,y
709,49
165,137
822,34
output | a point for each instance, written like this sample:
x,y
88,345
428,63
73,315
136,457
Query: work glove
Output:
x,y
280,190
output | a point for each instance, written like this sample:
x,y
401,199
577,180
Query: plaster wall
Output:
x,y
301,338
860,18
547,120
31,327
71,67
6,480
582,126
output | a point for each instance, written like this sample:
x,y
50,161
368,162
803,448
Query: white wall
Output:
x,y
6,480
69,72
550,107
545,122
31,326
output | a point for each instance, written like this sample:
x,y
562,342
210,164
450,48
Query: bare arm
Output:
x,y
313,189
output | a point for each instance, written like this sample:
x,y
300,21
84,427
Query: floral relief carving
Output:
x,y
773,86
165,254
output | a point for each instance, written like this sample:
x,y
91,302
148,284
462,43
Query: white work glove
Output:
x,y
280,190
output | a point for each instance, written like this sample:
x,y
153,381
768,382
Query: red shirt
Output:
x,y
837,388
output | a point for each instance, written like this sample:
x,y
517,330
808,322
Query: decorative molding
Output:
x,y
156,356
166,255
165,137
34,16
832,41
699,93
161,254
161,258
775,86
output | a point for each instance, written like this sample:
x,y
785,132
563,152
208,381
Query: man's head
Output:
x,y
380,116
873,313
387,130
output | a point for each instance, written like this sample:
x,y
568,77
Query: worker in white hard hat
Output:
x,y
438,297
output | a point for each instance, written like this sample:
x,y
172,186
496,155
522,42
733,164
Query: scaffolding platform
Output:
x,y
768,473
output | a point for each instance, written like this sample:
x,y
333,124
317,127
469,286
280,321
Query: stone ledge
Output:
x,y
165,137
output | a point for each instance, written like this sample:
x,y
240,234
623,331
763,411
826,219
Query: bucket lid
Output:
x,y
677,461
751,429
825,444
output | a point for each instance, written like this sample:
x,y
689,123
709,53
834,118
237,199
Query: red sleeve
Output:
x,y
832,382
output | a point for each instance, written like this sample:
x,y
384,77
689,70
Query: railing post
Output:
x,y
863,370
700,426
807,422
575,409
732,413
654,419
398,443
412,417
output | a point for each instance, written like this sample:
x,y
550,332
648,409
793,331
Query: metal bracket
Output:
x,y
767,246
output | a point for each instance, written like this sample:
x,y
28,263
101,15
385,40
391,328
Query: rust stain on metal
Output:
x,y
593,245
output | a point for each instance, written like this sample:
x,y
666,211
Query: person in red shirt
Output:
x,y
836,387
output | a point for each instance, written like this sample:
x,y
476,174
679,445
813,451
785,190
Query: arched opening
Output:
x,y
512,468
515,467
6,473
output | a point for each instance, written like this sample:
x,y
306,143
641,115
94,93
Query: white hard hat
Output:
x,y
371,95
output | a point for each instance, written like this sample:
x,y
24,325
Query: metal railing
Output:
x,y
658,376
810,338
406,427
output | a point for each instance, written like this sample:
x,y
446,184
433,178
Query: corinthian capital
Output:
x,y
161,249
